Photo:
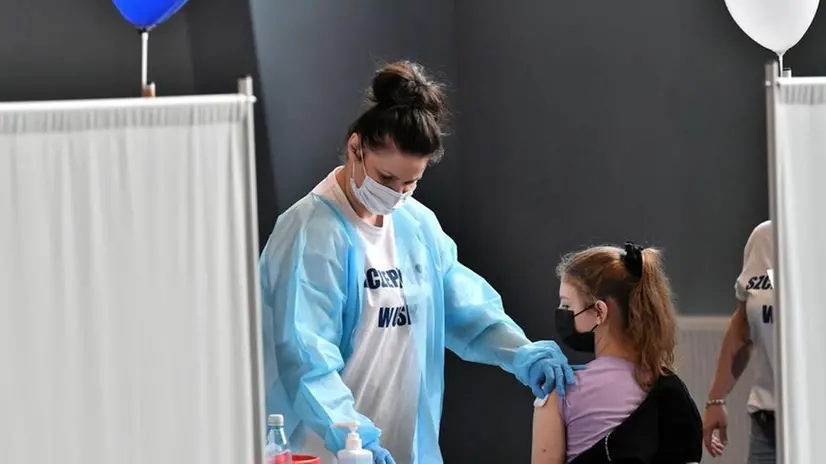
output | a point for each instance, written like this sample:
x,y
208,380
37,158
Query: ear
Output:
x,y
354,148
602,311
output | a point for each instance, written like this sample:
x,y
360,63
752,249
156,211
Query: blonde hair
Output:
x,y
635,279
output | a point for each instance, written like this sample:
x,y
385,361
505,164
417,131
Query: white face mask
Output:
x,y
377,198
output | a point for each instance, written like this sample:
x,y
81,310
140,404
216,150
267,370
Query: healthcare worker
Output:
x,y
362,292
751,330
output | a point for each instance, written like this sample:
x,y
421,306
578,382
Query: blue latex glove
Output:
x,y
380,455
549,371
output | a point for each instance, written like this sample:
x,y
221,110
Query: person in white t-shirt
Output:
x,y
362,292
751,330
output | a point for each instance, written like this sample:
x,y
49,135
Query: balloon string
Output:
x,y
144,58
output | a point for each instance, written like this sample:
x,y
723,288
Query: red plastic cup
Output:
x,y
305,459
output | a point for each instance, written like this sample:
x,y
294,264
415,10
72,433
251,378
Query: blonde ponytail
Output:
x,y
651,322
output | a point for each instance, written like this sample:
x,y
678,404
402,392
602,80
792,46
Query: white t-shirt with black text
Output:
x,y
755,289
383,370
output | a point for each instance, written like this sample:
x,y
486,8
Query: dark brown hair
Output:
x,y
645,301
407,109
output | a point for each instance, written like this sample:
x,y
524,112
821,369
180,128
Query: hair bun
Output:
x,y
405,84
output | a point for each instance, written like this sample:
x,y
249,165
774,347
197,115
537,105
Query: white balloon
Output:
x,y
775,24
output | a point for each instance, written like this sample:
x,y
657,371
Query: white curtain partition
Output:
x,y
797,148
128,302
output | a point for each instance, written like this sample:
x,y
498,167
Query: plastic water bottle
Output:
x,y
277,449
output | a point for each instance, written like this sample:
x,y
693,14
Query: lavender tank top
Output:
x,y
604,396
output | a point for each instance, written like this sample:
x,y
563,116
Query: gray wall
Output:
x,y
640,120
316,59
59,49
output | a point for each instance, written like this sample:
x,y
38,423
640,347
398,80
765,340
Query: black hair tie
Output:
x,y
632,259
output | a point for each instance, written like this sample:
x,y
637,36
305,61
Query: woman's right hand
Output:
x,y
715,419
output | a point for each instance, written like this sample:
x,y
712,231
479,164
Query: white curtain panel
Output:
x,y
800,199
128,301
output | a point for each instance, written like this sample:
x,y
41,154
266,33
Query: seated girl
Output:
x,y
627,406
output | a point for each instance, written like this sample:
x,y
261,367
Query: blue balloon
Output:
x,y
146,14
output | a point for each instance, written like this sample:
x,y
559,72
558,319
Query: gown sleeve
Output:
x,y
303,292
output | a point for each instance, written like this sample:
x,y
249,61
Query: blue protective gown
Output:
x,y
311,289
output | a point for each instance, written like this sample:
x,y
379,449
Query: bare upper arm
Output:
x,y
548,444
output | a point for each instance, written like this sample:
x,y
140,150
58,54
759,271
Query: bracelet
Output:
x,y
717,402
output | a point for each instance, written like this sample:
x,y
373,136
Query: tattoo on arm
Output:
x,y
741,360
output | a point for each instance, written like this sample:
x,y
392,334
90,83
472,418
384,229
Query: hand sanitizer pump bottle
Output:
x,y
353,453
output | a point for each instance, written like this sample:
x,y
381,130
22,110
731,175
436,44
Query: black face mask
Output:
x,y
566,328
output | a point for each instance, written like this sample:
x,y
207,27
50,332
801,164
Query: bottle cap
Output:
x,y
275,420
